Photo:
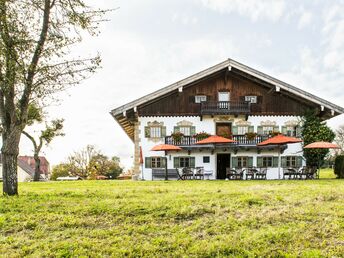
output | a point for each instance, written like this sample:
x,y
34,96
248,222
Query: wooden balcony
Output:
x,y
225,107
241,140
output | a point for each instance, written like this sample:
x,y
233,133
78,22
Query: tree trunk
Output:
x,y
37,168
10,151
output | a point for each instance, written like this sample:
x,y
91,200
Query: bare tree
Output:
x,y
80,161
36,40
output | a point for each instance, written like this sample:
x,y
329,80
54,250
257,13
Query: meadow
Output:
x,y
175,219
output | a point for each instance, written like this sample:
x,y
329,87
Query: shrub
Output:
x,y
339,166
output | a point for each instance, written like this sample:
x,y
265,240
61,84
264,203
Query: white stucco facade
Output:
x,y
208,125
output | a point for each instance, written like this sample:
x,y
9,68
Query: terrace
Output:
x,y
225,107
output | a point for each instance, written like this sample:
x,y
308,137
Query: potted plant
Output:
x,y
251,136
177,137
200,136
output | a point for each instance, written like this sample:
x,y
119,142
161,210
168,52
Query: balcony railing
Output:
x,y
225,107
241,140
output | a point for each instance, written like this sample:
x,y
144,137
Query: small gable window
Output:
x,y
155,130
251,99
200,98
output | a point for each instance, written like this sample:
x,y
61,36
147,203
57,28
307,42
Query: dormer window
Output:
x,y
200,98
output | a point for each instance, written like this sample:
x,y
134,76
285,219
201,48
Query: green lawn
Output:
x,y
175,219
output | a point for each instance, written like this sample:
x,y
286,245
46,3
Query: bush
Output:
x,y
339,166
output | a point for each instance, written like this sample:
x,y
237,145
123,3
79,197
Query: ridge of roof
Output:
x,y
233,64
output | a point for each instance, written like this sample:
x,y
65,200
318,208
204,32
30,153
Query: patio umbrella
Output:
x,y
321,145
279,140
165,148
213,139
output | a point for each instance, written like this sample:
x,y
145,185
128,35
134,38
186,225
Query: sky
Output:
x,y
146,45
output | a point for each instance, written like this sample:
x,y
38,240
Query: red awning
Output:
x,y
165,147
279,140
322,145
215,139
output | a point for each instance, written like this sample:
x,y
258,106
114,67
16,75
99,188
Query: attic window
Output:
x,y
200,98
251,99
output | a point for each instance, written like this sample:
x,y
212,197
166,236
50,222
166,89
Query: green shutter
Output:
x,y
163,162
260,130
298,131
250,161
284,162
192,130
259,162
275,162
147,132
234,162
163,131
192,162
176,162
148,162
251,129
234,130
299,161
176,129
276,129
284,130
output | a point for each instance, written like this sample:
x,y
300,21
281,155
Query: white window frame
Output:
x,y
155,131
243,160
266,129
291,161
251,99
266,160
200,98
156,162
185,130
222,94
242,129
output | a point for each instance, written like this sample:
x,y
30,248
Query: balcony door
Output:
x,y
223,98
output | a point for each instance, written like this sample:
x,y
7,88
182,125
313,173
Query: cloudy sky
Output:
x,y
149,44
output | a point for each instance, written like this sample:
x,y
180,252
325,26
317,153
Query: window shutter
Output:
x,y
251,129
163,162
250,161
260,130
148,162
192,162
176,162
299,161
192,130
234,162
176,129
298,131
276,129
259,162
284,162
275,162
147,132
284,130
163,131
234,130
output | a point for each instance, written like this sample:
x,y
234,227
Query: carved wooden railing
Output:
x,y
241,140
225,107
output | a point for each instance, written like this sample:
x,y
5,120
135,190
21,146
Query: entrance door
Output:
x,y
223,162
224,130
223,98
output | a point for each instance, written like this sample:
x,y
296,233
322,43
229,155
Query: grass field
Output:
x,y
175,219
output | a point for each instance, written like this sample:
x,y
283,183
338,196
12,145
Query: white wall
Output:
x,y
208,125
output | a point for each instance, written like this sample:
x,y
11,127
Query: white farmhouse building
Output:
x,y
230,100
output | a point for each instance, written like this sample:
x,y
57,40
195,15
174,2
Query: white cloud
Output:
x,y
256,10
305,19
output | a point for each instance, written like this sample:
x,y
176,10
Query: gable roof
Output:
x,y
230,63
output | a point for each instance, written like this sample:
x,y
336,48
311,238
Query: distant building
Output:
x,y
26,168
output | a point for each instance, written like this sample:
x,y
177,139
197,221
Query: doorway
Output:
x,y
223,162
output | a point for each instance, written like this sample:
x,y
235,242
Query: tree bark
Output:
x,y
37,175
10,153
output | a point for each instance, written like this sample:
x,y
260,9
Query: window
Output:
x,y
206,159
200,98
268,161
224,96
242,130
251,99
155,132
155,162
291,161
267,130
242,162
185,130
293,131
182,162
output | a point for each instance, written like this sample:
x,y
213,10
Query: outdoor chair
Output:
x,y
199,173
250,173
290,172
261,173
187,173
179,174
311,172
234,174
302,173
